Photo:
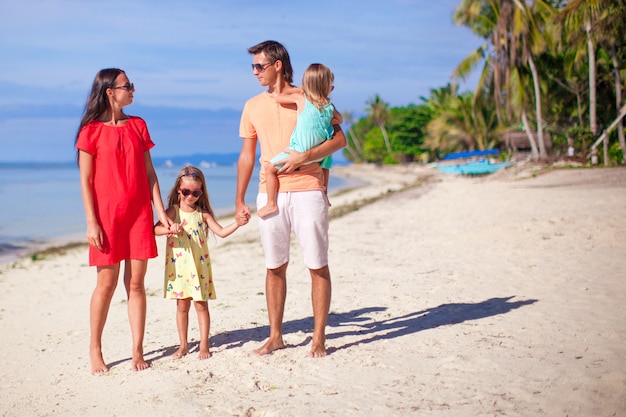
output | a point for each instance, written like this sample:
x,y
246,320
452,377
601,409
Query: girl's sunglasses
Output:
x,y
185,192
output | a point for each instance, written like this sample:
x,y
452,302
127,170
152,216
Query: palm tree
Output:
x,y
579,16
535,33
461,123
353,144
611,31
520,85
378,112
489,19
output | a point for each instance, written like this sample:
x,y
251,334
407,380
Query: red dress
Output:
x,y
121,191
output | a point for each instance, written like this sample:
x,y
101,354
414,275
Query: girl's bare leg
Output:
x,y
182,323
98,311
134,274
271,184
204,323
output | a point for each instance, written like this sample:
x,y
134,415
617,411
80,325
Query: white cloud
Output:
x,y
192,53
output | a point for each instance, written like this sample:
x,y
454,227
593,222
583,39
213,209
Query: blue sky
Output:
x,y
190,67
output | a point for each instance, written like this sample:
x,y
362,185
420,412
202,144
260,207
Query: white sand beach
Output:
x,y
498,295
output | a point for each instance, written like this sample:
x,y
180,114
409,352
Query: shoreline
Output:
x,y
464,296
20,252
17,251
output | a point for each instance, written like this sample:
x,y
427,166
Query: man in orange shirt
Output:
x,y
302,202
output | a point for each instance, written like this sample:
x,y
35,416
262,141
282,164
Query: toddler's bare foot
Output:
x,y
269,347
267,210
97,363
182,351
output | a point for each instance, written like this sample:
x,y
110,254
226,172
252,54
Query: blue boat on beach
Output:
x,y
475,163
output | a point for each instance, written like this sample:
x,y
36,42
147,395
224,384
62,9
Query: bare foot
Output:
x,y
182,351
318,349
204,354
97,363
267,210
269,347
139,365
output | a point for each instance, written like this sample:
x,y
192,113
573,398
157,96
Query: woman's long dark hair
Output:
x,y
97,104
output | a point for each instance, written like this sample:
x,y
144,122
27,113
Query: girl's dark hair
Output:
x,y
275,51
98,103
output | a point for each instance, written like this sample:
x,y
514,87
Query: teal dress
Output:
x,y
312,128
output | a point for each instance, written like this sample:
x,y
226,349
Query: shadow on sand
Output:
x,y
360,325
365,329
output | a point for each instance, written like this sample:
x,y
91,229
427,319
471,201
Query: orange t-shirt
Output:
x,y
271,124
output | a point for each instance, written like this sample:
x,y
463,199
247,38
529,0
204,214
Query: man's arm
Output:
x,y
245,166
297,159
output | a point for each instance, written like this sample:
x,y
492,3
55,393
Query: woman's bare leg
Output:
x,y
98,311
134,274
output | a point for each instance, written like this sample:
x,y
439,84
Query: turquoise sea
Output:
x,y
42,206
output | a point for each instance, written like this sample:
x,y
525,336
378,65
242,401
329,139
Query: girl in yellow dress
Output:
x,y
188,273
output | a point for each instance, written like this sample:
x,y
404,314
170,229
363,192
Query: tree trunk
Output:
x,y
356,141
542,147
531,138
382,128
618,100
593,124
580,109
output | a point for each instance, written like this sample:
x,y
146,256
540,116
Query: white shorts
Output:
x,y
306,212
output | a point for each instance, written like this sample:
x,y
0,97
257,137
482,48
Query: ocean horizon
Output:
x,y
43,204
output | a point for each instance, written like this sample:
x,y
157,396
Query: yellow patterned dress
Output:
x,y
188,266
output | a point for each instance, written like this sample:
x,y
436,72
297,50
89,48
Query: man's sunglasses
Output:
x,y
185,192
260,67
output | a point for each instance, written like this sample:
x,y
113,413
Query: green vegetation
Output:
x,y
546,68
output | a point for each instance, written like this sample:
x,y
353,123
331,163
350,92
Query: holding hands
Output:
x,y
242,215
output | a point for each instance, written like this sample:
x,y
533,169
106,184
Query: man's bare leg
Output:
x,y
321,289
276,292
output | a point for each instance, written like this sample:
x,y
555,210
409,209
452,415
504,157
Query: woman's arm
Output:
x,y
160,229
94,232
156,191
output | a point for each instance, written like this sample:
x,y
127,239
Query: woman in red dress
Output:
x,y
118,185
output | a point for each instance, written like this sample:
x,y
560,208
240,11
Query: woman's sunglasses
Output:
x,y
185,192
128,87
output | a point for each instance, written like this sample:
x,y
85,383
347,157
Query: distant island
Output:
x,y
208,160
201,160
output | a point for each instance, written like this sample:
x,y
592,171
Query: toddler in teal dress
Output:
x,y
315,112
